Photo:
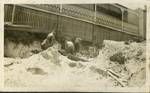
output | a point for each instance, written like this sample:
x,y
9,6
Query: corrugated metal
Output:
x,y
102,33
114,35
99,34
76,28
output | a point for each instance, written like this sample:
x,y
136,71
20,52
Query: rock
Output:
x,y
62,52
36,70
46,55
118,57
72,64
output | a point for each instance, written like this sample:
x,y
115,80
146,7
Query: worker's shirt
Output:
x,y
50,35
69,47
69,44
49,41
77,40
44,44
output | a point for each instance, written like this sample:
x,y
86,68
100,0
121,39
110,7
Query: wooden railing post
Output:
x,y
93,35
13,14
122,23
60,8
138,25
60,22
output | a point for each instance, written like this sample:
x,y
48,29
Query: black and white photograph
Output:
x,y
75,47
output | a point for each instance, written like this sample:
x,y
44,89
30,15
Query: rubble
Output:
x,y
14,50
134,59
53,69
118,57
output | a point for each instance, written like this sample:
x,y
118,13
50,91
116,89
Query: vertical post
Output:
x,y
95,8
138,25
145,24
13,14
93,36
60,8
60,22
122,23
122,19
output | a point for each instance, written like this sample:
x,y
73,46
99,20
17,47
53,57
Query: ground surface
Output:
x,y
51,69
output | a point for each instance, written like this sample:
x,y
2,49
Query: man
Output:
x,y
49,41
77,43
69,47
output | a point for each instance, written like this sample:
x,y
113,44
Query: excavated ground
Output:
x,y
51,69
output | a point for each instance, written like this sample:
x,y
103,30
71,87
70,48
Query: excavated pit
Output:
x,y
19,44
56,71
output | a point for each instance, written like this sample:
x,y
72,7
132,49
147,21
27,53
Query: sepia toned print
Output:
x,y
73,46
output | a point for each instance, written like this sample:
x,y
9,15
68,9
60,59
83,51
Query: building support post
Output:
x,y
60,8
122,23
93,36
138,26
95,12
13,14
60,22
122,19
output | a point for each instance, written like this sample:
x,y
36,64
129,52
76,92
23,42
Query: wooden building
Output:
x,y
91,22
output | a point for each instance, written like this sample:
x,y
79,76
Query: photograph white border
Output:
x,y
111,89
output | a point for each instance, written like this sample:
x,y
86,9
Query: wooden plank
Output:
x,y
119,81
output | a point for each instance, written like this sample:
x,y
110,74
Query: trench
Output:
x,y
21,44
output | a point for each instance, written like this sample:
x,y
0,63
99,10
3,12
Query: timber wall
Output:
x,y
71,21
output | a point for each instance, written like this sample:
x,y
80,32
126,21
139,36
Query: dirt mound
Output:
x,y
54,70
126,60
